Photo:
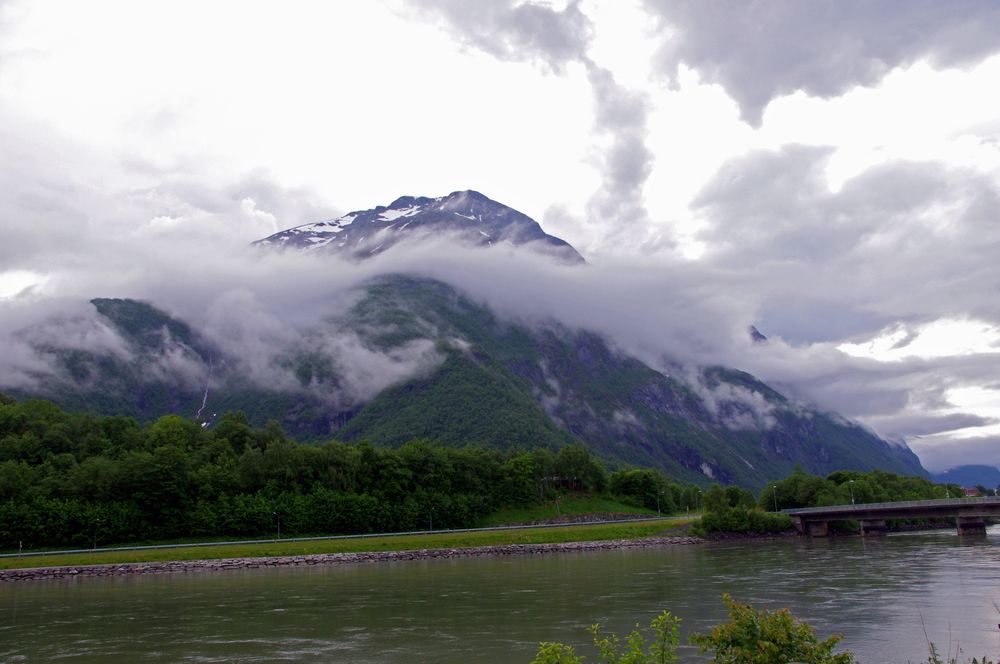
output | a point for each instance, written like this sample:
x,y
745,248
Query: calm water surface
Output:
x,y
881,593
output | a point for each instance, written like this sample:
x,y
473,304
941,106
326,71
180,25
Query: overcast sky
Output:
x,y
826,170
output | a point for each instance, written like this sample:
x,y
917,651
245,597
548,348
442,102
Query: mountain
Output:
x,y
466,215
418,358
723,424
493,383
970,476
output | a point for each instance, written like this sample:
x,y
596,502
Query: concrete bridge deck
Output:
x,y
969,514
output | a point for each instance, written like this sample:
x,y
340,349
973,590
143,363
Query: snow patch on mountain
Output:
x,y
466,216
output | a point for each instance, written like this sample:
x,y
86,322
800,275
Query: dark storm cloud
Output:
x,y
761,50
904,242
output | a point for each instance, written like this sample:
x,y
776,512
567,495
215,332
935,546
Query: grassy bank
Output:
x,y
442,540
570,505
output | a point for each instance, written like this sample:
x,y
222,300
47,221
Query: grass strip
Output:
x,y
566,506
559,534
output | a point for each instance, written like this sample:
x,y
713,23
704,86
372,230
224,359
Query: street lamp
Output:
x,y
658,494
278,517
850,485
774,492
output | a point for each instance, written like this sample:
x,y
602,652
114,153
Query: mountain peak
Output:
x,y
466,215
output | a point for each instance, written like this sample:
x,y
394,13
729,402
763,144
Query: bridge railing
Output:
x,y
903,504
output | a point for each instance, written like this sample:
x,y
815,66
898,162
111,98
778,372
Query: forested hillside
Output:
x,y
84,480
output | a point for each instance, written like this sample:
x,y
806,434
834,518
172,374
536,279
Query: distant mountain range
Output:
x,y
471,376
970,476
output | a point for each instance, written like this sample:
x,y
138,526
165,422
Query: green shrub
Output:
x,y
663,649
742,520
767,637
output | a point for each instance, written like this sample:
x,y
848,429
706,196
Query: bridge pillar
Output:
x,y
970,525
819,529
872,527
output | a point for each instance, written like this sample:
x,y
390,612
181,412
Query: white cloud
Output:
x,y
864,201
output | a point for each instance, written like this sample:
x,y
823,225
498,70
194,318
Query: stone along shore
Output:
x,y
124,569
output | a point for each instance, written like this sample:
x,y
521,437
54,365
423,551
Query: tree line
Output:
x,y
81,480
735,510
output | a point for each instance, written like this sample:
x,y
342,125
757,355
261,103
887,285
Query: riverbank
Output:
x,y
228,564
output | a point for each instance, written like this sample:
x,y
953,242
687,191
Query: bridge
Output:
x,y
969,514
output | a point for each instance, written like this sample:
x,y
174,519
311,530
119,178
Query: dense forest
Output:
x,y
80,480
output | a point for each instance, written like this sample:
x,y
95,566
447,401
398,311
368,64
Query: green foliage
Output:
x,y
78,480
766,637
742,520
719,499
612,650
935,658
500,384
732,510
801,489
649,488
468,400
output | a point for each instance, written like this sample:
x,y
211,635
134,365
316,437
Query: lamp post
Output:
x,y
697,504
774,492
850,485
658,503
278,517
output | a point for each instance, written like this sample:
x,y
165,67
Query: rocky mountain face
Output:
x,y
466,215
416,358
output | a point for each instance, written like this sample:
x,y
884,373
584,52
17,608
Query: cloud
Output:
x,y
518,31
734,406
762,50
511,30
910,242
938,454
900,242
262,309
618,208
65,205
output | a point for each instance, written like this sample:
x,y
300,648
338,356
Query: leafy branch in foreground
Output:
x,y
767,637
611,650
749,637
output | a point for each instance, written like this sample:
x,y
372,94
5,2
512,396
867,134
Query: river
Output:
x,y
882,593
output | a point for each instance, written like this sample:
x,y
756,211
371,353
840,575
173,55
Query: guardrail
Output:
x,y
147,547
864,507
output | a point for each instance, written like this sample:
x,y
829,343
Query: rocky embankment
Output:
x,y
123,569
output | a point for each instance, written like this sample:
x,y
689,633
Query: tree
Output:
x,y
648,486
578,468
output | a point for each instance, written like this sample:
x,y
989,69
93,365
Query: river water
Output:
x,y
887,595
